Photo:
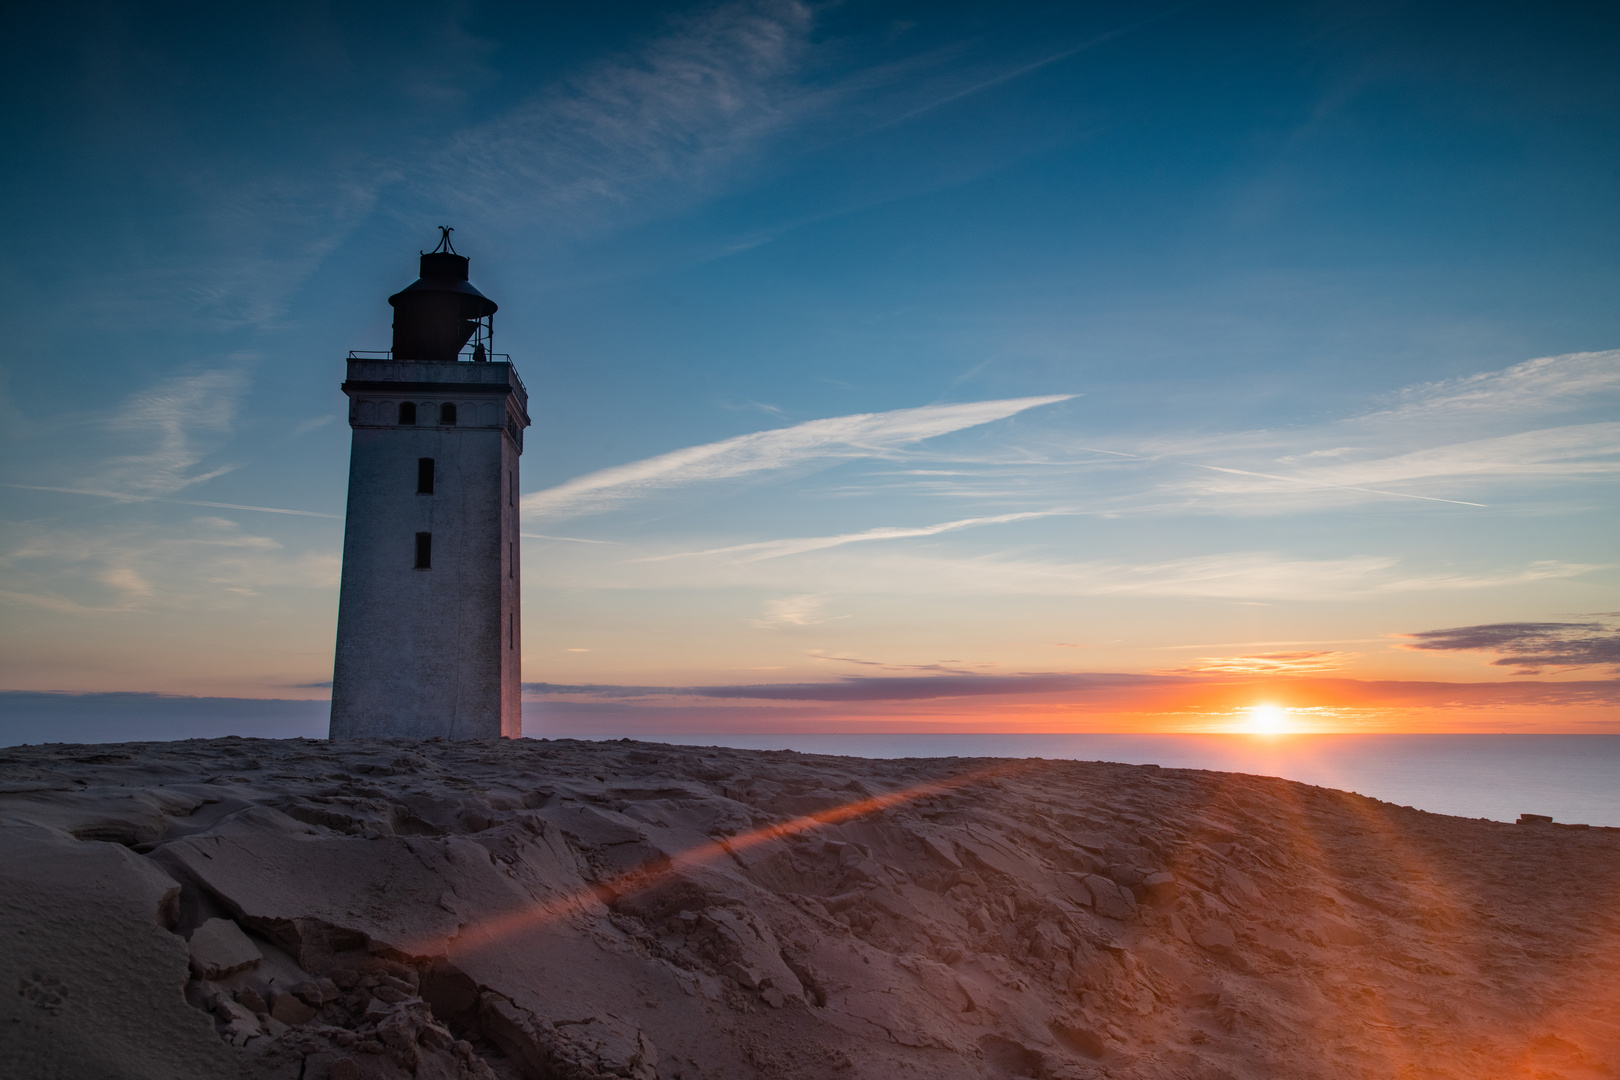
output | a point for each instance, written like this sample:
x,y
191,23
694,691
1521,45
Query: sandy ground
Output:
x,y
303,909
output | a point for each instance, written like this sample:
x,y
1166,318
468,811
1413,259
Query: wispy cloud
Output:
x,y
124,496
1153,692
566,539
1306,481
805,610
1254,575
873,569
1232,575
236,222
1273,663
312,424
1265,644
1310,455
1240,474
1465,442
207,562
170,429
774,549
840,437
1531,647
177,424
874,688
1574,450
978,86
623,138
1546,384
254,232
267,235
690,113
947,667
619,142
1561,452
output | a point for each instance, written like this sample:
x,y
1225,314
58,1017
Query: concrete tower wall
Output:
x,y
431,651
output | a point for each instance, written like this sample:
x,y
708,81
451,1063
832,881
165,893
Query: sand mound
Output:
x,y
306,910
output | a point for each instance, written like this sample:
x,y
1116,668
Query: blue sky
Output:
x,y
1212,347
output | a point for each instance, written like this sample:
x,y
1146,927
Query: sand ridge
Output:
x,y
309,910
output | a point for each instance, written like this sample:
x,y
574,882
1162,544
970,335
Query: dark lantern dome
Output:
x,y
436,315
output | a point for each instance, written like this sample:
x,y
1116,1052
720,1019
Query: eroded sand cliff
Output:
x,y
297,909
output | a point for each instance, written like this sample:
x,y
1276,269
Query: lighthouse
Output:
x,y
428,635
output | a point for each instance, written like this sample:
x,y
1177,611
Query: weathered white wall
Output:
x,y
431,652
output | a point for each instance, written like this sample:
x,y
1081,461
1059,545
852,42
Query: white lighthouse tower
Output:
x,y
428,626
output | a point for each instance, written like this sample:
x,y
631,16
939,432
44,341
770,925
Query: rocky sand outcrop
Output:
x,y
304,910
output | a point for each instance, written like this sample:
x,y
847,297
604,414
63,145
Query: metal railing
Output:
x,y
465,357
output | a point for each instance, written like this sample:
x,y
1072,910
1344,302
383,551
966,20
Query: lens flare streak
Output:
x,y
658,871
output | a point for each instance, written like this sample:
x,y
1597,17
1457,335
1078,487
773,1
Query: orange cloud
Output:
x,y
1080,703
1276,663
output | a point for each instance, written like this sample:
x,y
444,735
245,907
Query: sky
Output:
x,y
893,366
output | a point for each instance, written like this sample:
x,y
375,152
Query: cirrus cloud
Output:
x,y
177,423
861,435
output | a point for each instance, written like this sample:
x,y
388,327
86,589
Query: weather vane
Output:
x,y
444,239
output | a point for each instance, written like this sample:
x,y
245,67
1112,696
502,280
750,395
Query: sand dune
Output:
x,y
309,910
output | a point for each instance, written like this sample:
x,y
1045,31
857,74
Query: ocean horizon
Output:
x,y
1572,778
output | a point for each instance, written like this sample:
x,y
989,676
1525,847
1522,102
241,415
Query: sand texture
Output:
x,y
303,910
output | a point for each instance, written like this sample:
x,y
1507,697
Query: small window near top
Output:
x,y
424,476
447,413
407,412
424,551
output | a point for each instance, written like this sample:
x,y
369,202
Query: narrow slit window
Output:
x,y
447,414
511,488
424,476
511,559
407,412
424,551
511,630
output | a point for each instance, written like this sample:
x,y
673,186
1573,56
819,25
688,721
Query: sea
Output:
x,y
1571,778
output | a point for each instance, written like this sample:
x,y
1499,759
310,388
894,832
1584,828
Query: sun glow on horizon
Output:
x,y
1268,720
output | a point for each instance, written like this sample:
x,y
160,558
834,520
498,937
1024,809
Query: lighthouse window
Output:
x,y
511,560
511,631
407,412
424,551
447,413
424,476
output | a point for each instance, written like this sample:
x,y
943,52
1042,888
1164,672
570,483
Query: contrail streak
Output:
x,y
1019,72
770,549
126,497
570,539
1345,487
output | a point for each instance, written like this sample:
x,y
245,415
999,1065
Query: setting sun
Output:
x,y
1267,720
